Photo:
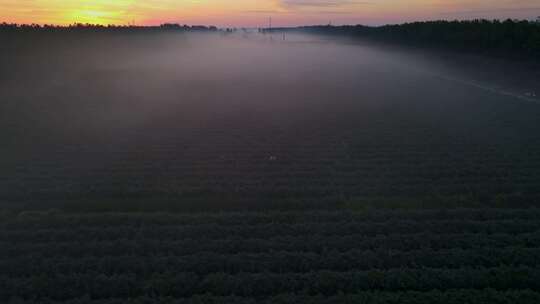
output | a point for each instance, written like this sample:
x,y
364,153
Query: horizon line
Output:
x,y
129,25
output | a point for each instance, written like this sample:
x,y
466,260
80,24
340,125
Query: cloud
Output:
x,y
266,12
319,3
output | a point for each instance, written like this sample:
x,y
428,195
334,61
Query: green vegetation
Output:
x,y
439,256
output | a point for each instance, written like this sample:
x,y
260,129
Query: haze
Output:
x,y
249,13
165,115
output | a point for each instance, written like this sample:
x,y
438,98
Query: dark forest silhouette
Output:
x,y
507,38
13,27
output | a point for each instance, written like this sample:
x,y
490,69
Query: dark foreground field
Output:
x,y
452,256
244,168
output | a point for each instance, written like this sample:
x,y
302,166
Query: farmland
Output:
x,y
238,126
440,256
171,167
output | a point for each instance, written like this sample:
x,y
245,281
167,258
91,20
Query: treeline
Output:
x,y
80,27
508,37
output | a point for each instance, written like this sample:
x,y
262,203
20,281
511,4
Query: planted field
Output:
x,y
206,168
448,256
165,123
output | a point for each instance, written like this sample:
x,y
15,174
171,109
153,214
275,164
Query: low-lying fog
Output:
x,y
181,113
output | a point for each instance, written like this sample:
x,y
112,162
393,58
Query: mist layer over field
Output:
x,y
254,119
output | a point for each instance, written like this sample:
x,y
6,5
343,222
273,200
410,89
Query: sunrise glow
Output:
x,y
253,13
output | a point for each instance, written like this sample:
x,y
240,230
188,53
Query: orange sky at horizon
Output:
x,y
255,13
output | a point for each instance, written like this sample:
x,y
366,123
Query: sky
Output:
x,y
256,13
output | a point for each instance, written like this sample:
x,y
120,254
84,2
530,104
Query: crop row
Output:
x,y
309,243
274,262
216,231
34,220
176,284
362,185
459,296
